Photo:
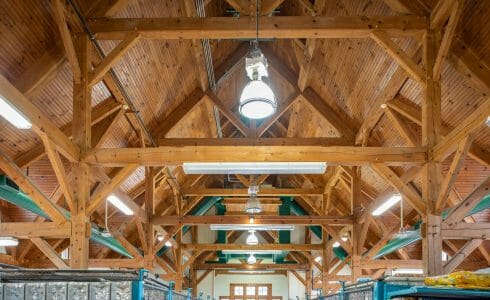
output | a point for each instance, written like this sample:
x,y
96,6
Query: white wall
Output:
x,y
296,288
220,285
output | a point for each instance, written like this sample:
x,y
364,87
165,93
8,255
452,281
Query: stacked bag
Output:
x,y
462,279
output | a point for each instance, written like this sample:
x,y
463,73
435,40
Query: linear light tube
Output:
x,y
248,227
255,168
408,271
387,204
120,205
8,241
12,115
252,252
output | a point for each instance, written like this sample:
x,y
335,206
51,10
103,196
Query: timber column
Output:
x,y
150,210
431,123
82,108
357,240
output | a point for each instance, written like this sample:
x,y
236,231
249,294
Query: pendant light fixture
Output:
x,y
257,100
251,259
252,238
253,204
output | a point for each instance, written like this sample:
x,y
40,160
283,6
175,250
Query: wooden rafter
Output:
x,y
244,219
50,253
459,256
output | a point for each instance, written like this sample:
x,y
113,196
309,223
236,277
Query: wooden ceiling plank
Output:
x,y
282,108
408,193
66,38
59,170
107,189
50,253
186,106
333,155
107,8
473,122
452,174
389,92
234,119
242,6
464,207
444,48
399,55
403,128
327,112
113,57
101,130
244,27
41,123
414,114
30,189
459,256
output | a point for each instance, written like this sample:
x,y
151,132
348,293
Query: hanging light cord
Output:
x,y
257,22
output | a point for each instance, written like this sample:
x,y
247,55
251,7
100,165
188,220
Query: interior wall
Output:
x,y
220,285
206,285
296,288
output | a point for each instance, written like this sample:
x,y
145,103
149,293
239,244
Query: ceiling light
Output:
x,y
487,122
318,259
168,244
344,238
252,239
251,259
251,168
336,244
120,205
407,271
253,205
251,220
250,227
12,115
387,205
8,241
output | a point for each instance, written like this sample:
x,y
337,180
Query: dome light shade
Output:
x,y
251,259
253,205
257,100
252,239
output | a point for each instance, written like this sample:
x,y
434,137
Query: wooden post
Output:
x,y
325,261
150,211
82,94
431,123
357,227
178,263
309,279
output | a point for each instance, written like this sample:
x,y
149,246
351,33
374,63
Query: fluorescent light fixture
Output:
x,y
120,205
252,252
251,271
387,204
8,241
318,259
251,259
254,168
252,239
250,227
336,244
12,115
407,271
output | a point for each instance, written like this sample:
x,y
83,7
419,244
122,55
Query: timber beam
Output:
x,y
212,266
34,230
345,155
259,219
283,27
